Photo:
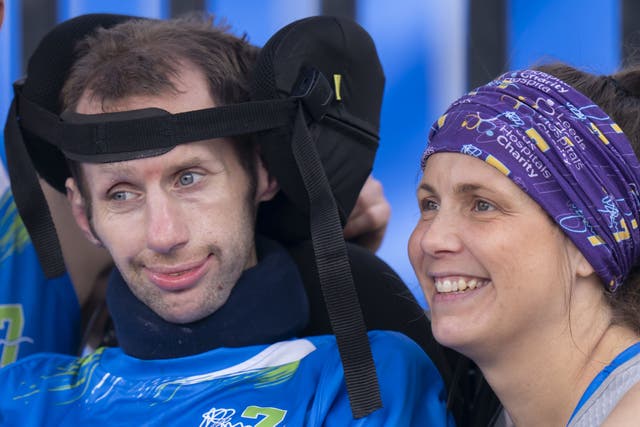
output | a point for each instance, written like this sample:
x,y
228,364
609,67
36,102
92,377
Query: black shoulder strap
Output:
x,y
335,276
30,200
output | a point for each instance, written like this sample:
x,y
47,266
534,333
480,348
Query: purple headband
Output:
x,y
562,150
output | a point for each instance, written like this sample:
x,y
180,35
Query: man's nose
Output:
x,y
167,228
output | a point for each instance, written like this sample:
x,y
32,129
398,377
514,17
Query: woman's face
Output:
x,y
492,265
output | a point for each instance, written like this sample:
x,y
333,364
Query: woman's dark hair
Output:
x,y
619,96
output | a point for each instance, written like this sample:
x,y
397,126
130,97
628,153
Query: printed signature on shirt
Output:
x,y
223,417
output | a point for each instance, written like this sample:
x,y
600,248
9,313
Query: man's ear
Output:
x,y
266,184
79,211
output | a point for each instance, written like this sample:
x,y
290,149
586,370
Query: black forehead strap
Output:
x,y
120,133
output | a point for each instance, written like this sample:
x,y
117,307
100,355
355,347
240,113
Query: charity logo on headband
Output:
x,y
564,152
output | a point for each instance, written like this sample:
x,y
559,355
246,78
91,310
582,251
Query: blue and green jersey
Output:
x,y
291,383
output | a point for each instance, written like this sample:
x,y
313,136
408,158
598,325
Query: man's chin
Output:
x,y
183,318
185,314
187,306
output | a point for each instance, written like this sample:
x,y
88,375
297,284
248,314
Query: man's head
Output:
x,y
1,12
180,225
140,57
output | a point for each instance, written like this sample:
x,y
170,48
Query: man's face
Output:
x,y
179,226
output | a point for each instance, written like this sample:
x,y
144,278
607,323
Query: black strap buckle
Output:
x,y
315,91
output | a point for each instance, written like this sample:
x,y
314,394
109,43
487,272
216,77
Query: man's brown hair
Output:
x,y
138,57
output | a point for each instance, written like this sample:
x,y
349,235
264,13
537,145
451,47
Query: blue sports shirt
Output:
x,y
298,382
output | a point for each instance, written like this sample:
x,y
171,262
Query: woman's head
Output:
x,y
554,146
479,233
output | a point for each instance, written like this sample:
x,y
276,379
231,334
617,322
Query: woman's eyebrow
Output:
x,y
464,188
461,188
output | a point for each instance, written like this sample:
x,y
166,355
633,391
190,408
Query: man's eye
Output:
x,y
121,196
429,205
189,178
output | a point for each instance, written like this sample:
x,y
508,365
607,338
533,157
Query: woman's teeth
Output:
x,y
458,285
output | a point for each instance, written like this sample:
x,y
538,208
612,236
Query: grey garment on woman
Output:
x,y
596,409
503,420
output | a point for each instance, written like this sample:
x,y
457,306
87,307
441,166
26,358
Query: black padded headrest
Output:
x,y
346,131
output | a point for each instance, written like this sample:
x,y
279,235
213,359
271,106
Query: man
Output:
x,y
206,312
67,313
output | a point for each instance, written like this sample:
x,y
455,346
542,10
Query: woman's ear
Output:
x,y
583,267
80,212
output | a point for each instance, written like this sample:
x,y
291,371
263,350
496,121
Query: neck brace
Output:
x,y
267,305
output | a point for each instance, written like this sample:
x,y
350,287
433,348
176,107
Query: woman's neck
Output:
x,y
541,379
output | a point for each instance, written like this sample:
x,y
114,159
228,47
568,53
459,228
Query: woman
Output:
x,y
528,239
